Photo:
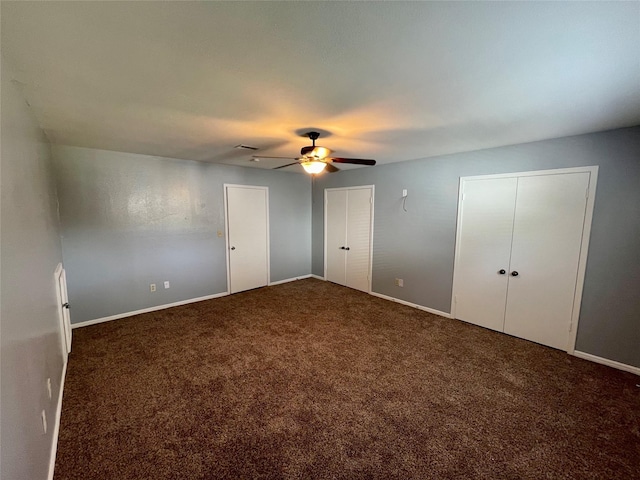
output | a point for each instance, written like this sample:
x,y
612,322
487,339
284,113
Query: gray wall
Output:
x,y
418,245
31,342
129,220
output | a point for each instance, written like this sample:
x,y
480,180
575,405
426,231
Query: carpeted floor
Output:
x,y
309,380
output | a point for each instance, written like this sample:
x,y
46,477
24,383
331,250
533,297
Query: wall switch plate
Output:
x,y
220,234
404,192
167,284
399,282
49,387
152,287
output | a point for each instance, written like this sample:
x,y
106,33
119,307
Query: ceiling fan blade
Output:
x,y
265,156
287,165
331,168
354,161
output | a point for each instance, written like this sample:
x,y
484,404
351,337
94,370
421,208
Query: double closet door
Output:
x,y
519,247
348,236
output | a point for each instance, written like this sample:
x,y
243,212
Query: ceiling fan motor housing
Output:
x,y
306,150
312,150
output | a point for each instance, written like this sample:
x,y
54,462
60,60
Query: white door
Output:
x,y
60,278
348,236
521,252
336,236
358,246
547,237
483,250
248,237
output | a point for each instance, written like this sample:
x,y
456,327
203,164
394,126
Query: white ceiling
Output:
x,y
391,80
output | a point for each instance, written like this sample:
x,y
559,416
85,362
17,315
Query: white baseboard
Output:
x,y
606,361
56,427
147,310
317,277
287,280
414,305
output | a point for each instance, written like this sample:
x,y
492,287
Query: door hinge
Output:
x,y
587,194
570,326
463,195
455,299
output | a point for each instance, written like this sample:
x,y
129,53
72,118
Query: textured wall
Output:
x,y
129,220
418,245
30,252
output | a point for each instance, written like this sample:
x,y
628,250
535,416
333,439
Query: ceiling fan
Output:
x,y
314,159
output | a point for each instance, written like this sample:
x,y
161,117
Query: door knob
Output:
x,y
347,248
502,271
342,248
66,305
514,274
233,248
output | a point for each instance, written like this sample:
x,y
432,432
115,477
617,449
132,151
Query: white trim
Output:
x,y
226,236
324,208
318,277
607,362
456,254
56,428
534,173
582,260
324,239
225,186
147,310
584,246
373,204
409,304
287,280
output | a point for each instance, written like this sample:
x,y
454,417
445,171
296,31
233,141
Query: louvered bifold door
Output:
x,y
359,204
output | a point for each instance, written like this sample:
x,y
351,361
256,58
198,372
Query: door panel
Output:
x,y
336,236
63,310
248,237
547,236
358,238
484,249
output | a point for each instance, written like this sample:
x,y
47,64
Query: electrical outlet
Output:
x,y
404,192
49,387
167,284
44,421
399,282
152,287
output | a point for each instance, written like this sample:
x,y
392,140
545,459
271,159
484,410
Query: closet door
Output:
x,y
358,253
547,237
348,227
336,236
484,245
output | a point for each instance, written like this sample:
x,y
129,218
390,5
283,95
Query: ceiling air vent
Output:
x,y
245,147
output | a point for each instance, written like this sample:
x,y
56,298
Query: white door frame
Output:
x,y
65,323
324,206
584,246
226,227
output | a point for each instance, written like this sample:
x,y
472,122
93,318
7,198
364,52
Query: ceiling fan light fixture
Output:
x,y
313,166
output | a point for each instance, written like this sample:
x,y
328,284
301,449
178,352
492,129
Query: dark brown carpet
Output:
x,y
311,380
